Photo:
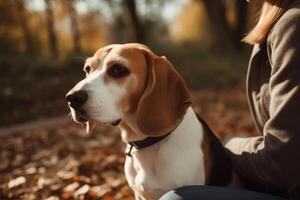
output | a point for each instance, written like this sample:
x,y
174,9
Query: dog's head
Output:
x,y
130,78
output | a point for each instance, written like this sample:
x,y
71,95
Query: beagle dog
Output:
x,y
168,145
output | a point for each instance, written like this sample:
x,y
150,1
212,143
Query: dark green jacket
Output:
x,y
273,90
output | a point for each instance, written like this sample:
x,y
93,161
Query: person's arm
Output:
x,y
274,158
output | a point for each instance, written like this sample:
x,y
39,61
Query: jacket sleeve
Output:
x,y
274,158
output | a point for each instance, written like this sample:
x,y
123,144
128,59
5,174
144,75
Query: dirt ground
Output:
x,y
64,162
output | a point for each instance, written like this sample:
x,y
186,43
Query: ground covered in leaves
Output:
x,y
65,163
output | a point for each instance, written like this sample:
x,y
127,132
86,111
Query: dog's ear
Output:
x,y
165,100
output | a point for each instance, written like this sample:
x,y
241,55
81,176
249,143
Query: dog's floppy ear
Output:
x,y
165,100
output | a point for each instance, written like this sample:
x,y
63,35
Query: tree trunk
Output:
x,y
137,27
22,18
223,36
242,11
51,30
74,26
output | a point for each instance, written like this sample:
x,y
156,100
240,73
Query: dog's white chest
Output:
x,y
174,162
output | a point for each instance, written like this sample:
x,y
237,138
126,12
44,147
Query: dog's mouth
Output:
x,y
80,116
116,122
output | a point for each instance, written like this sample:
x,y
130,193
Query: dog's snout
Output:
x,y
77,99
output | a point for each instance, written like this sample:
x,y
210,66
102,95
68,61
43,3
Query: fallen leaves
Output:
x,y
65,163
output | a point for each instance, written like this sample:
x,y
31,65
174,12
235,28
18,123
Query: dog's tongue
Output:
x,y
89,126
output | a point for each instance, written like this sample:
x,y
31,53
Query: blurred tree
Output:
x,y
139,21
23,22
74,25
8,28
241,21
52,38
225,35
137,26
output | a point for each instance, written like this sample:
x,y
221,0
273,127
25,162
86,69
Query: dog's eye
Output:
x,y
87,69
117,71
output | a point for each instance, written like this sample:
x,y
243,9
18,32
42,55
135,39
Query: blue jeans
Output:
x,y
214,193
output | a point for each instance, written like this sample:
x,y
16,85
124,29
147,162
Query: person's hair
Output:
x,y
270,13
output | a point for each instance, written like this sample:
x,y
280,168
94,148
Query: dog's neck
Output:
x,y
130,131
217,164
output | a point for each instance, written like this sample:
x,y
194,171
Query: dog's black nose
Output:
x,y
77,99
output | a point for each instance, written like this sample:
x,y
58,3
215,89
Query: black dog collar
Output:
x,y
145,143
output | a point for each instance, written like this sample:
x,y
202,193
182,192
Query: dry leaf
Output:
x,y
42,182
72,187
52,198
16,182
81,191
30,170
100,190
65,174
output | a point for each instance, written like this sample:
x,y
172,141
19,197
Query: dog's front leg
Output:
x,y
137,196
144,196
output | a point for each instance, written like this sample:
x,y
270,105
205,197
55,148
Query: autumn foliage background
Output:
x,y
43,45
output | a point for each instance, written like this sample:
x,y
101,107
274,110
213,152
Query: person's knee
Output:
x,y
171,195
212,192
